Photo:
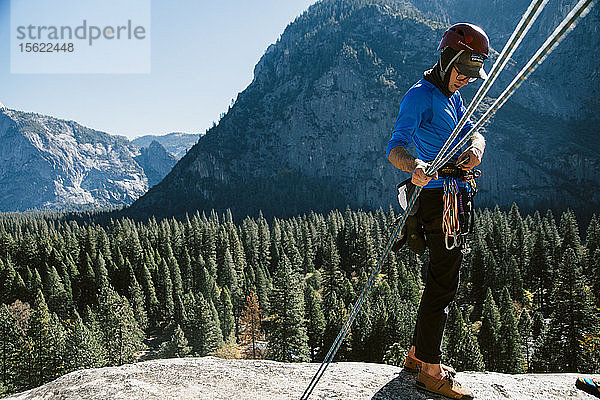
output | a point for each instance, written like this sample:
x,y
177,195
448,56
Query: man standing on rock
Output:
x,y
429,112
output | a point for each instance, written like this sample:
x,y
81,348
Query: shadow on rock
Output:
x,y
403,387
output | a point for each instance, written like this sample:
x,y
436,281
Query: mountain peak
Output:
x,y
156,162
176,143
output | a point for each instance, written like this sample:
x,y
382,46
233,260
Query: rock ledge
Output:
x,y
214,378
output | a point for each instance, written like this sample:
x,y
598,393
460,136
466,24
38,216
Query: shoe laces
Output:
x,y
453,382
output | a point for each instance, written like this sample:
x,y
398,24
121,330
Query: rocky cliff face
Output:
x,y
213,378
311,129
48,163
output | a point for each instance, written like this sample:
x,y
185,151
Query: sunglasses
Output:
x,y
462,78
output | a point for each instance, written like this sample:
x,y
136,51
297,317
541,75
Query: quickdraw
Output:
x,y
457,220
451,217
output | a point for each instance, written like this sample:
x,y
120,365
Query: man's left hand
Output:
x,y
474,159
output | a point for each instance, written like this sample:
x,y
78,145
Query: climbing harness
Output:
x,y
458,218
568,23
458,209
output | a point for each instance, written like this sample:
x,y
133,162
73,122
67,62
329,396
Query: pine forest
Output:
x,y
76,294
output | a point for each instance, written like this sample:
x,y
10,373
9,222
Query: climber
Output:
x,y
429,111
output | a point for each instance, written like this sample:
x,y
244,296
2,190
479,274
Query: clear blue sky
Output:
x,y
203,55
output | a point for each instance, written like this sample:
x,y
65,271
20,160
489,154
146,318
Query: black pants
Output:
x,y
441,280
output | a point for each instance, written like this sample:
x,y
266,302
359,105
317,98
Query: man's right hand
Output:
x,y
419,177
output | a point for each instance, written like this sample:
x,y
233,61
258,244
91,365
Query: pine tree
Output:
x,y
594,266
20,290
8,345
36,283
573,317
514,281
228,277
335,316
315,320
100,271
177,346
121,334
403,303
239,263
186,271
461,348
263,288
227,321
83,348
85,284
209,337
379,338
7,280
63,271
538,325
408,282
165,291
264,238
314,280
362,327
288,341
489,333
332,275
365,252
250,326
479,274
55,291
180,312
151,301
176,279
42,342
544,351
58,362
553,239
524,327
592,246
520,246
136,299
511,359
570,234
541,269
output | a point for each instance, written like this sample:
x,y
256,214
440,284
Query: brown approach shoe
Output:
x,y
446,386
412,364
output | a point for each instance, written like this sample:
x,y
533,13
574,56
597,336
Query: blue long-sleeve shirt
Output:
x,y
427,118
